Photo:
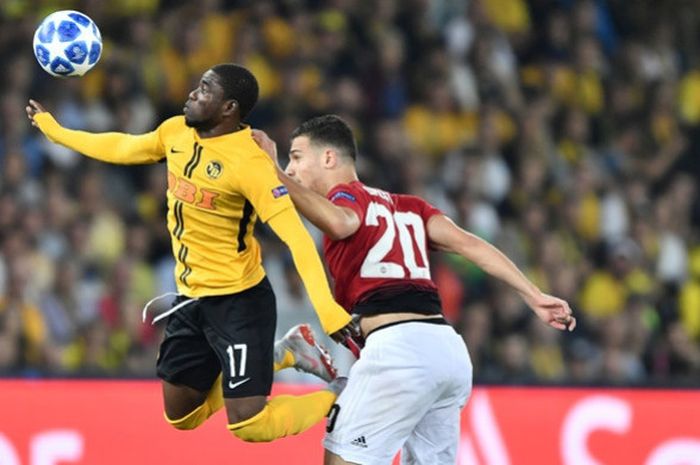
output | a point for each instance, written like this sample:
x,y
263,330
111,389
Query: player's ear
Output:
x,y
230,107
330,158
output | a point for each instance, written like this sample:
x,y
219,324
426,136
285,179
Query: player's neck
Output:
x,y
225,127
343,175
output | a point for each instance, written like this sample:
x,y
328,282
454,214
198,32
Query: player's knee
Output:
x,y
239,410
254,429
189,421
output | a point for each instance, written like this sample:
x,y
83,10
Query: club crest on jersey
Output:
x,y
279,191
214,169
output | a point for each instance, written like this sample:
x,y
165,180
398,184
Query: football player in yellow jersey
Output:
x,y
220,335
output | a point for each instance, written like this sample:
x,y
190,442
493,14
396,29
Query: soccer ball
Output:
x,y
67,43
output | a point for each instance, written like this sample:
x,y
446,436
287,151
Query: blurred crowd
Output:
x,y
566,132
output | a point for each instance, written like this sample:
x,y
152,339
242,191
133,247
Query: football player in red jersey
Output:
x,y
414,376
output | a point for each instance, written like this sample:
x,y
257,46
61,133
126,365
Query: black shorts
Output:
x,y
233,333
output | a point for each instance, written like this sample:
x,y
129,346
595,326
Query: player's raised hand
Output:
x,y
552,310
266,143
32,109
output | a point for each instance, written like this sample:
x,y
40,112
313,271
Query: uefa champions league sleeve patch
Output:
x,y
278,192
343,195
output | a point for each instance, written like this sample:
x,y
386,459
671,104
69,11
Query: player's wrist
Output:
x,y
45,121
530,292
334,320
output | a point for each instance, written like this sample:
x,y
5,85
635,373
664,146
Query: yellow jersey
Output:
x,y
217,189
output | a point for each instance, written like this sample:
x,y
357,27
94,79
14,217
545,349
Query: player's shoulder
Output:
x,y
376,194
416,204
174,123
409,198
348,191
248,150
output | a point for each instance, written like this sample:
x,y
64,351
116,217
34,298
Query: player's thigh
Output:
x,y
390,388
179,400
434,440
240,329
186,363
329,458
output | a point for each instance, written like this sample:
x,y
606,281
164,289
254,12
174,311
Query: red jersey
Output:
x,y
383,267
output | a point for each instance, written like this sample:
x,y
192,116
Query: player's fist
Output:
x,y
32,109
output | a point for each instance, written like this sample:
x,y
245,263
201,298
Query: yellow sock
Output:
x,y
213,402
285,416
287,361
192,420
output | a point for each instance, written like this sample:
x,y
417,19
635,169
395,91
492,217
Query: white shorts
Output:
x,y
406,391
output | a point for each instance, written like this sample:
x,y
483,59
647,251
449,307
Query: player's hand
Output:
x,y
32,109
552,310
266,143
351,337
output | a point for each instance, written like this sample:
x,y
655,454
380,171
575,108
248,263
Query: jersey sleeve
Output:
x,y
259,183
343,195
111,147
421,207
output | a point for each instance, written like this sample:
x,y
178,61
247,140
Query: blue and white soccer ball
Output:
x,y
67,43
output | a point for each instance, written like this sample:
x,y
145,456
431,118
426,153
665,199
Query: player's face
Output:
x,y
205,103
305,164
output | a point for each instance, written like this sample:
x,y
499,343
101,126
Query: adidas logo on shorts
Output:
x,y
360,442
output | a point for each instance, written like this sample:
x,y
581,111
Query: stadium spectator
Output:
x,y
565,132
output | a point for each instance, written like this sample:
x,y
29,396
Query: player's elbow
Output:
x,y
338,230
341,225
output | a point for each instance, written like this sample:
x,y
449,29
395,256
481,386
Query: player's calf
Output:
x,y
213,402
288,415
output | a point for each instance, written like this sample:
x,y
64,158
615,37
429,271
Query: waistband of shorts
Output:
x,y
432,321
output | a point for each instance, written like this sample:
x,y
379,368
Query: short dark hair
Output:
x,y
331,130
239,84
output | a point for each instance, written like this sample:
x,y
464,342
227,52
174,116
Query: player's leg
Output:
x,y
390,388
189,370
435,439
180,400
300,349
187,408
284,415
329,458
240,329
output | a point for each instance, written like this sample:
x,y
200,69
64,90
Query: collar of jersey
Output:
x,y
245,130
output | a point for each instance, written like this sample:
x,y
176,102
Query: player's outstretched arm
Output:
x,y
334,221
111,147
289,228
446,236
